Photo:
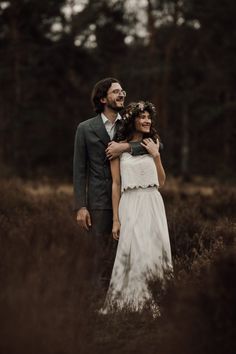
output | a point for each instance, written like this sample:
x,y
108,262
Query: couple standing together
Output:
x,y
117,173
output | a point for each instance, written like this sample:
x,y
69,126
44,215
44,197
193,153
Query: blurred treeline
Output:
x,y
179,54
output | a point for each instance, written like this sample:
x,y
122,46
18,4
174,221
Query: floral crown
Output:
x,y
134,109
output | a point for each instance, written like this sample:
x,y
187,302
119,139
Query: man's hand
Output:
x,y
83,218
151,147
115,149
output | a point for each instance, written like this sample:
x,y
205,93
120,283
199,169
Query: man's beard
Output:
x,y
114,107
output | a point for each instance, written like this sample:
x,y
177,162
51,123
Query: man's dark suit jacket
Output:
x,y
92,175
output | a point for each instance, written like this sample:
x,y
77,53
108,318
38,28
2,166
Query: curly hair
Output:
x,y
99,91
130,113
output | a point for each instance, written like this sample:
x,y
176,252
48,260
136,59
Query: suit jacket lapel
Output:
x,y
99,128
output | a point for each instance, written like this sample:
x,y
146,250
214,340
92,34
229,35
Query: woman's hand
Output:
x,y
151,147
116,230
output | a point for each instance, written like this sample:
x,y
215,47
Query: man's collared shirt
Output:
x,y
110,127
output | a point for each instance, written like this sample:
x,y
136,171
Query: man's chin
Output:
x,y
116,108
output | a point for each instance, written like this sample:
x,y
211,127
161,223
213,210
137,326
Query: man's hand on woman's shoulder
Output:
x,y
115,149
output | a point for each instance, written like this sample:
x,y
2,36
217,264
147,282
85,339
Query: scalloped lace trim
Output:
x,y
134,186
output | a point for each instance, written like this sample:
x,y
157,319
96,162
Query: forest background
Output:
x,y
178,54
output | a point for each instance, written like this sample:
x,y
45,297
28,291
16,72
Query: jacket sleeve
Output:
x,y
80,169
138,149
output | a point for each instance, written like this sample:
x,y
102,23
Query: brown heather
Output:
x,y
47,307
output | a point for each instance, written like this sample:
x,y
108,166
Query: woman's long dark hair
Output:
x,y
130,113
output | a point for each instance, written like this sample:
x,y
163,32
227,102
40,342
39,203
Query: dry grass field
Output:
x,y
47,306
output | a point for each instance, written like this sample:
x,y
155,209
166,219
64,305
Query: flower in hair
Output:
x,y
140,106
134,109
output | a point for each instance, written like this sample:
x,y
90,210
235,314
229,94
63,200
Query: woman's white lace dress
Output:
x,y
144,248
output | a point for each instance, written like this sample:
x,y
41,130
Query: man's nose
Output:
x,y
121,93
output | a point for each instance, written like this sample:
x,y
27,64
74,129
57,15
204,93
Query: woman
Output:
x,y
139,220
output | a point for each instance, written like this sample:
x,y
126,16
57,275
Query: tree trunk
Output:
x,y
227,129
17,84
185,143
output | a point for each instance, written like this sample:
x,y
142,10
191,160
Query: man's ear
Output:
x,y
103,100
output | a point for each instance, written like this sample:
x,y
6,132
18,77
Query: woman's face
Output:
x,y
143,123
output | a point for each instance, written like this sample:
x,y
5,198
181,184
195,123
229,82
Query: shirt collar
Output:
x,y
105,119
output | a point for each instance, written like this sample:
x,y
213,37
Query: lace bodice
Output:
x,y
137,171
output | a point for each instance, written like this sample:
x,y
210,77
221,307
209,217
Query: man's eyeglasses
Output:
x,y
118,92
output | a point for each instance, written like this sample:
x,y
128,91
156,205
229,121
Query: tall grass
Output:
x,y
47,305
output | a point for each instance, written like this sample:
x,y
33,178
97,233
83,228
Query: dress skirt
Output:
x,y
143,252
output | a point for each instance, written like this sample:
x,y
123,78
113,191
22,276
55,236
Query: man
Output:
x,y
92,175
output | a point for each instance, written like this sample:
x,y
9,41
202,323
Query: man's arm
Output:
x,y
80,179
80,169
137,149
115,149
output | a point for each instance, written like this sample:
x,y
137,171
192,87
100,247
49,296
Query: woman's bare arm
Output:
x,y
116,193
153,149
160,170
